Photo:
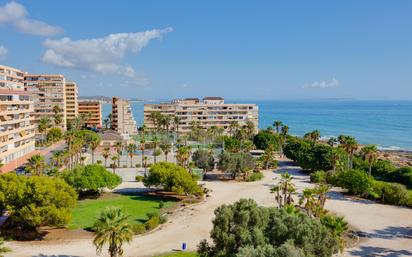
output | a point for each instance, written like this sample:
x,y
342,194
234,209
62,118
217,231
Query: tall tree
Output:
x,y
142,148
155,142
106,155
277,124
114,163
166,148
112,228
370,153
57,115
131,150
36,165
43,126
94,143
176,124
350,145
119,147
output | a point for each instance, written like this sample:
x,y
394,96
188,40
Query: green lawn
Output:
x,y
135,206
179,254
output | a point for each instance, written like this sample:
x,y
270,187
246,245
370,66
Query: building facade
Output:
x,y
92,111
208,112
71,102
16,129
122,117
49,97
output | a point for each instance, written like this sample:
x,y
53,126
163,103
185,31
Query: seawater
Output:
x,y
387,124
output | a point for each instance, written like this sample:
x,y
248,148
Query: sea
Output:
x,y
388,124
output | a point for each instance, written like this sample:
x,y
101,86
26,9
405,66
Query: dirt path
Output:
x,y
388,228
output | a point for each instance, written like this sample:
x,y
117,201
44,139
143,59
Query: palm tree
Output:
x,y
166,148
285,188
176,123
43,126
119,146
277,124
70,137
1,164
57,158
350,145
183,155
370,153
106,123
155,141
233,127
3,249
314,136
57,116
112,228
36,164
131,150
94,143
142,148
334,157
106,155
332,141
114,164
307,199
144,164
285,130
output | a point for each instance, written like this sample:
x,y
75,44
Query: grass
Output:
x,y
179,254
135,206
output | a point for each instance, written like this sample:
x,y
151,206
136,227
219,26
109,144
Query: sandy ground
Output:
x,y
387,229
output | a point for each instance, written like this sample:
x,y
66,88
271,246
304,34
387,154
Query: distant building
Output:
x,y
92,111
16,128
208,112
71,102
122,118
49,94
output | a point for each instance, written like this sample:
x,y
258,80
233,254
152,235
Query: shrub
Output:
x,y
138,165
357,182
245,225
318,176
402,175
204,159
393,193
91,178
35,201
161,204
152,222
255,176
172,178
139,178
124,166
236,164
264,138
139,229
54,135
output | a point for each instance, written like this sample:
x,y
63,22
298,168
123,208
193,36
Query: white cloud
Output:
x,y
16,14
333,83
3,52
103,55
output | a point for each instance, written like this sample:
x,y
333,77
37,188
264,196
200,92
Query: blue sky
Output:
x,y
236,49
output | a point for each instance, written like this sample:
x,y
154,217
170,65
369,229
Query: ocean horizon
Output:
x,y
388,124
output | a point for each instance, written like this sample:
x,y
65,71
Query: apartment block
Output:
x,y
92,111
16,129
49,97
208,112
122,117
71,102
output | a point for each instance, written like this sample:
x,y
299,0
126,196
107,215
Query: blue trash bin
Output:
x,y
183,246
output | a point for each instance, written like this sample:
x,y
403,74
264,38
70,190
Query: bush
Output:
x,y
138,165
139,178
402,175
318,176
124,166
357,182
393,193
172,178
139,228
255,177
54,135
236,164
204,159
264,138
152,222
35,201
91,178
245,225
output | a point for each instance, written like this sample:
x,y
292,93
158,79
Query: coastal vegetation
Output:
x,y
246,229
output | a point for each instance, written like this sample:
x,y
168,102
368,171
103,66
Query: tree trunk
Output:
x,y
92,156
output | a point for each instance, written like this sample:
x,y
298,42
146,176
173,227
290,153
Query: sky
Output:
x,y
241,50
